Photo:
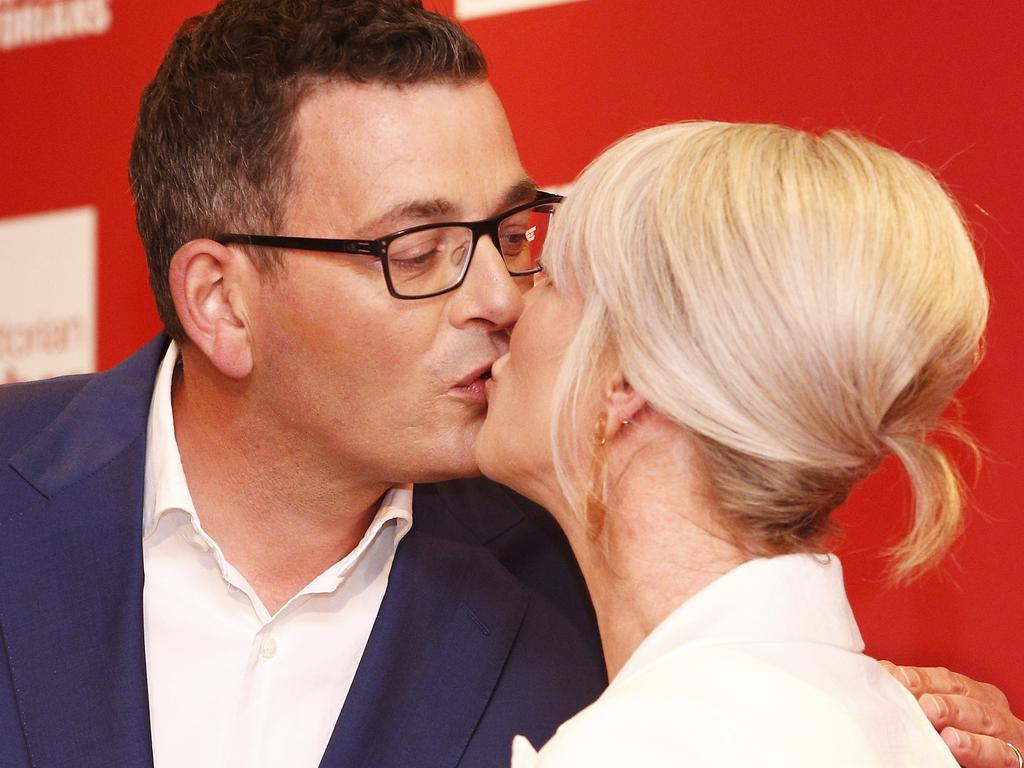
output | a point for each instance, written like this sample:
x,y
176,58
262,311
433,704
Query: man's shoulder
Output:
x,y
76,419
523,538
554,665
513,528
27,407
487,510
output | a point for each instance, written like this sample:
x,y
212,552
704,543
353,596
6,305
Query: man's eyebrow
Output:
x,y
522,191
414,210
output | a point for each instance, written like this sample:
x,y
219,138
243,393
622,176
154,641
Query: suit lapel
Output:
x,y
443,633
71,577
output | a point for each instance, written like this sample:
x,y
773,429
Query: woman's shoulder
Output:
x,y
721,705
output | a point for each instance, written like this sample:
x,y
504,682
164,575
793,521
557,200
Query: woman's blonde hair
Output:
x,y
803,305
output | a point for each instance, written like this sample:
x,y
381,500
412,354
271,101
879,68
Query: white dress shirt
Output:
x,y
764,667
229,684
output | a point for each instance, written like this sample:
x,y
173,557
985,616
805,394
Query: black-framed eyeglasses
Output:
x,y
431,259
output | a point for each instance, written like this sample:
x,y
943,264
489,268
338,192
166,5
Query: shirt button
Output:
x,y
268,647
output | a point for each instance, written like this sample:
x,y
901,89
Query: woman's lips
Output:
x,y
492,379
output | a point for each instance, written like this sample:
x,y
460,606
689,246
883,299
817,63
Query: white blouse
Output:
x,y
764,667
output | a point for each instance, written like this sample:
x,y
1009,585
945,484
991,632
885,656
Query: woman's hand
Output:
x,y
973,718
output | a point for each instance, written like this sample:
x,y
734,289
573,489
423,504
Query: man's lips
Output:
x,y
483,372
471,386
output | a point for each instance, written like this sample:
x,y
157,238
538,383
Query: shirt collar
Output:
x,y
165,485
395,506
796,597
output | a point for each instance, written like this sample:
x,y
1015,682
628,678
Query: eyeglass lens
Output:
x,y
432,260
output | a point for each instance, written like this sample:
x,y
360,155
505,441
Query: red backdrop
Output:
x,y
941,82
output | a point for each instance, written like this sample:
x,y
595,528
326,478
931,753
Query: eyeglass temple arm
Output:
x,y
325,245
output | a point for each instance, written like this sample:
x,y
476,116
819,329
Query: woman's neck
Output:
x,y
635,584
662,541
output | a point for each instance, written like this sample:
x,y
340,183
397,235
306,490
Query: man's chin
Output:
x,y
446,453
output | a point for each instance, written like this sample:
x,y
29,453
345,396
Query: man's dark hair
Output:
x,y
214,145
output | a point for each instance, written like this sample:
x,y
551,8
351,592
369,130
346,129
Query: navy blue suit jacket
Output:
x,y
484,632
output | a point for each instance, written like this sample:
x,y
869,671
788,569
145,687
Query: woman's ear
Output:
x,y
211,286
622,404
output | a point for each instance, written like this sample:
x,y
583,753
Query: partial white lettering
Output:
x,y
30,22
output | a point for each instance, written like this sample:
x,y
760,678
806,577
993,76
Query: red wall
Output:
x,y
941,82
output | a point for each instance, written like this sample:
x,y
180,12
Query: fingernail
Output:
x,y
952,737
933,706
910,676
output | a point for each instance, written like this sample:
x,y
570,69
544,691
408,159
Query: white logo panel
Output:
x,y
474,9
48,294
35,22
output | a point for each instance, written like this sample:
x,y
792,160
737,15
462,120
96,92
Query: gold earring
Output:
x,y
595,509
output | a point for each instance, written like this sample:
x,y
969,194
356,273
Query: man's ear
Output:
x,y
622,404
211,285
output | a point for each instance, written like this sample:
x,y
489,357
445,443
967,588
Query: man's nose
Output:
x,y
489,293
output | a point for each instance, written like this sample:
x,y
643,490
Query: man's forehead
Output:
x,y
387,155
397,122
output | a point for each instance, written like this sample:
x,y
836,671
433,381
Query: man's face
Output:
x,y
376,388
